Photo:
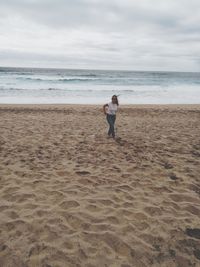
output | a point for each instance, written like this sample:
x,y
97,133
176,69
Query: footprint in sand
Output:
x,y
193,210
197,253
69,204
82,172
168,165
93,208
151,210
195,188
12,214
193,232
183,198
85,181
173,177
112,219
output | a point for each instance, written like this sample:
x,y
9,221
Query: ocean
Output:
x,y
56,86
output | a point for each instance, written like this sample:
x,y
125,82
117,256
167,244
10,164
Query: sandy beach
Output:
x,y
71,197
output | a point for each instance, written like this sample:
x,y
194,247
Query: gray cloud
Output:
x,y
101,34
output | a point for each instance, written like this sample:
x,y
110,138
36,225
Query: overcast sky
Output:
x,y
101,34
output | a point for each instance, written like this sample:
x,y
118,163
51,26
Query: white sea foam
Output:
x,y
96,87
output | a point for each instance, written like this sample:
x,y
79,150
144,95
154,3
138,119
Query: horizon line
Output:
x,y
94,69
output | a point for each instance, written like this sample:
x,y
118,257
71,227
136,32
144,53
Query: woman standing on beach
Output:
x,y
110,110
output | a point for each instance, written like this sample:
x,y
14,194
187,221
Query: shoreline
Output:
x,y
100,105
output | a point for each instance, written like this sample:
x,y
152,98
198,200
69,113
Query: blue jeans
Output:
x,y
111,121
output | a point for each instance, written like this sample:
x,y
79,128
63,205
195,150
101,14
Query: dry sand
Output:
x,y
71,197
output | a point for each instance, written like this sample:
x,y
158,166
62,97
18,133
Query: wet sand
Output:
x,y
71,197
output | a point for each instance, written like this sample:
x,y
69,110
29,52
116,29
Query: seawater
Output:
x,y
38,86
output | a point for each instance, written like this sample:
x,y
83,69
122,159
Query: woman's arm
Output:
x,y
104,108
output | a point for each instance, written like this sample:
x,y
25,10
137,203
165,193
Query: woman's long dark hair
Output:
x,y
115,96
